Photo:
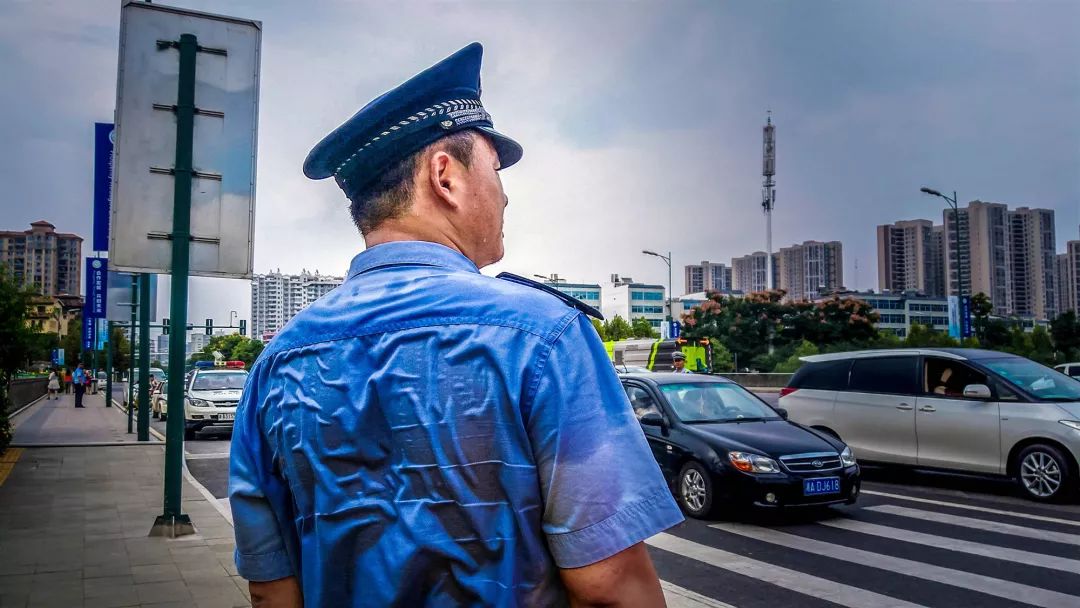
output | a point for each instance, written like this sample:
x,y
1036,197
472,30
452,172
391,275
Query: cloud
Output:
x,y
641,121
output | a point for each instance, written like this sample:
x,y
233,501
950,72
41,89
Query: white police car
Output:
x,y
211,396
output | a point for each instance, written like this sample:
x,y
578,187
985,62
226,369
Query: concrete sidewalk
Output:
x,y
74,520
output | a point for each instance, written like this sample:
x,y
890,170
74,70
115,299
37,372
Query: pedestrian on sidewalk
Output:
x,y
67,381
427,435
54,385
78,380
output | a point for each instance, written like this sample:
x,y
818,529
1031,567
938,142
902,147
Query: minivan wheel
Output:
x,y
1043,473
695,491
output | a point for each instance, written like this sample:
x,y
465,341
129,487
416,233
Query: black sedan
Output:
x,y
720,446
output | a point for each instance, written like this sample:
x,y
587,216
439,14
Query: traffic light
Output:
x,y
243,327
165,327
209,327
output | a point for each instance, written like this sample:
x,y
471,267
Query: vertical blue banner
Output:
x,y
954,317
97,285
88,326
103,170
102,333
966,329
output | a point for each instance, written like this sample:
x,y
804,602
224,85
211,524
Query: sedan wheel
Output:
x,y
1043,473
695,493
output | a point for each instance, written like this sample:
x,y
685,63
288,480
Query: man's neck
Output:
x,y
393,231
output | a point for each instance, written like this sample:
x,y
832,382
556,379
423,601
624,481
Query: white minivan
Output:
x,y
968,410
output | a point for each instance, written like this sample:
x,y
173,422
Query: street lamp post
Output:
x,y
956,229
667,260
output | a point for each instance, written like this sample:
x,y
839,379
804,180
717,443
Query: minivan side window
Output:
x,y
947,377
640,400
894,375
822,375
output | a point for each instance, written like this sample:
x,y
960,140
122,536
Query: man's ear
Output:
x,y
444,177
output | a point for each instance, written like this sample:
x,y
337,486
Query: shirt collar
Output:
x,y
420,253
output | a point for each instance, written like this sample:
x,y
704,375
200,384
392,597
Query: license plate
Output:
x,y
821,485
232,416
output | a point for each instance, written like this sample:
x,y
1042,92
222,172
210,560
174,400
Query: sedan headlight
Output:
x,y
753,463
1072,424
198,402
847,458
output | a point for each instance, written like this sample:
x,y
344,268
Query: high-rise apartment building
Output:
x,y
750,273
985,253
1034,265
911,258
1068,278
48,261
276,298
708,276
810,270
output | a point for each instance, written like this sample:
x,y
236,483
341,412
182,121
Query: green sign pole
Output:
x,y
131,357
144,357
108,364
173,522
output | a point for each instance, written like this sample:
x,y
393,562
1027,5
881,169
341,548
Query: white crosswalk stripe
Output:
x,y
1015,556
981,509
838,593
979,524
876,559
957,578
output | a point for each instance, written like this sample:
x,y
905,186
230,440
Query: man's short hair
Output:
x,y
390,195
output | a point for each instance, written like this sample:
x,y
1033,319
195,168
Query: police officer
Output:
x,y
427,435
678,362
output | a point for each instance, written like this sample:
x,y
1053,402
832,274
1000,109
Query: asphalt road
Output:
x,y
913,539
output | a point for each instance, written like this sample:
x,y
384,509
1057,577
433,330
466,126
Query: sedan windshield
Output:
x,y
1038,380
219,381
715,402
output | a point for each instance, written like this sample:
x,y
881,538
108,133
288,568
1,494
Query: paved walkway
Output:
x,y
58,422
74,521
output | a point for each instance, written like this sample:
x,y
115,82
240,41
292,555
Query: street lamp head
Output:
x,y
930,191
647,252
540,276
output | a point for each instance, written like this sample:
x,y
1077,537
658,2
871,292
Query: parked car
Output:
x,y
211,397
967,410
1069,369
100,379
156,373
159,401
631,369
720,446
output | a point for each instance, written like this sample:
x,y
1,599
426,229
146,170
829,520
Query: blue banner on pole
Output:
x,y
966,329
103,170
102,332
88,332
676,329
97,285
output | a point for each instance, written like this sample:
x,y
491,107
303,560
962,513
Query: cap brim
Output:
x,y
509,151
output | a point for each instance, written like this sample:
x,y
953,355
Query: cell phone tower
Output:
x,y
768,192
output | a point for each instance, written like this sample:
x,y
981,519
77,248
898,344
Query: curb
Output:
x,y
22,409
206,494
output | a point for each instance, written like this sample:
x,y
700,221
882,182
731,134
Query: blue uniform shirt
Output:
x,y
427,435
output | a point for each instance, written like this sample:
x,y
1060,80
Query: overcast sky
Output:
x,y
641,121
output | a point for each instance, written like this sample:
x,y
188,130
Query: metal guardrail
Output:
x,y
767,380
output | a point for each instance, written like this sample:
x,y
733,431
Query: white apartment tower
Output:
x,y
276,298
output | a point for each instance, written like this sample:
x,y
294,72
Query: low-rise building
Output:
x,y
630,300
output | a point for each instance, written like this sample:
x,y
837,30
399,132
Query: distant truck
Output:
x,y
655,355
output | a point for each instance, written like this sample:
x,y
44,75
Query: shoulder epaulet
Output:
x,y
570,300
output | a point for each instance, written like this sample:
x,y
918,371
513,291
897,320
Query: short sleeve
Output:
x,y
257,497
602,489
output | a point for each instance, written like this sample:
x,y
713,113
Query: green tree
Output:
x,y
793,363
1042,347
618,329
41,345
1019,342
641,328
121,349
926,336
722,359
598,325
72,343
15,344
1065,332
232,347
